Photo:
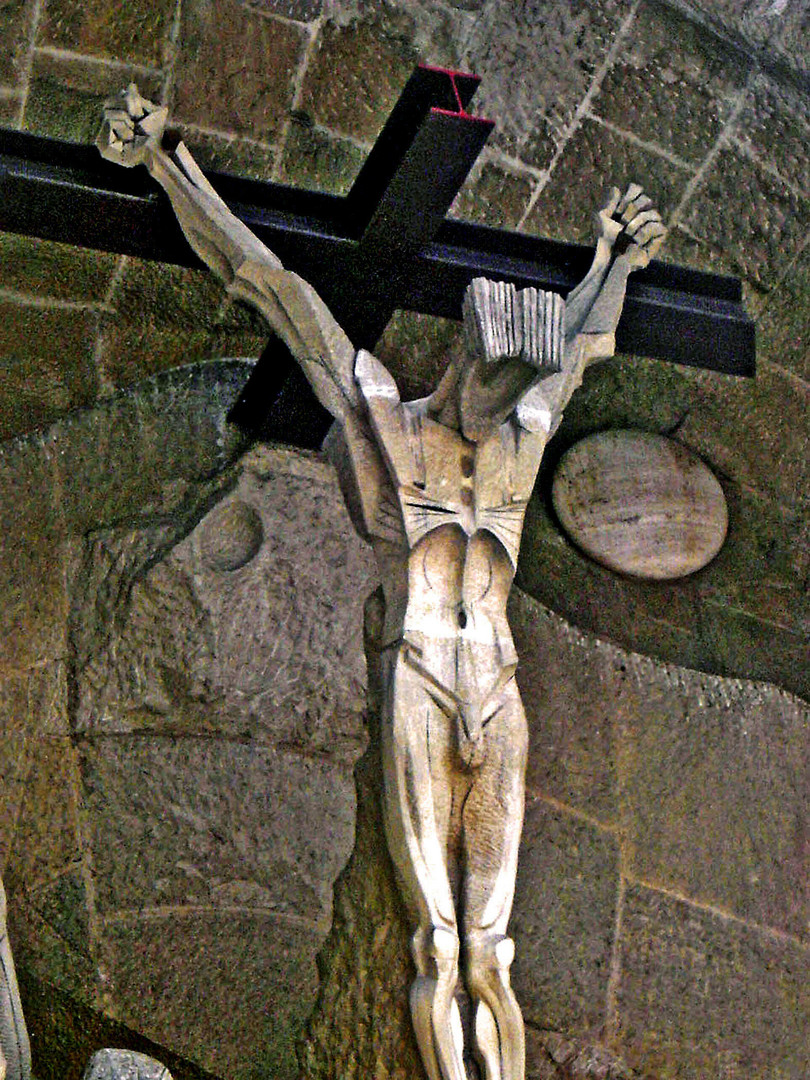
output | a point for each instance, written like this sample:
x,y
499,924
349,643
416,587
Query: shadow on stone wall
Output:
x,y
182,702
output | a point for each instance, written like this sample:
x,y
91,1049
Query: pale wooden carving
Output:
x,y
439,488
15,1051
640,504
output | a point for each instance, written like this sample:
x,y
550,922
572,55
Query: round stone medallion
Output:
x,y
640,504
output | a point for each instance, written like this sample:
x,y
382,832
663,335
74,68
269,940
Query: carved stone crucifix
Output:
x,y
439,488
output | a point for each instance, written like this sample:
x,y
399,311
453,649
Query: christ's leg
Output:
x,y
493,815
418,802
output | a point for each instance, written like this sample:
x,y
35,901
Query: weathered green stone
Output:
x,y
66,96
137,31
316,160
43,268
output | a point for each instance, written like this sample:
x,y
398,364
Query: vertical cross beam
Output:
x,y
394,209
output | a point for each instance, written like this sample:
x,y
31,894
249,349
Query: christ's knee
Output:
x,y
498,1022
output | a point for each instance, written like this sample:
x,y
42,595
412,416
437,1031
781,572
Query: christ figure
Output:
x,y
439,488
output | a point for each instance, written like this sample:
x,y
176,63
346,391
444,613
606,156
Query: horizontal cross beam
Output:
x,y
385,245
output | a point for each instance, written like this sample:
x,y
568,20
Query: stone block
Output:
x,y
563,921
15,27
789,39
765,558
319,161
783,336
151,292
131,353
9,108
362,1017
751,23
707,998
261,643
14,718
33,622
595,159
495,196
240,157
678,98
772,458
539,1062
134,455
217,823
66,96
300,10
537,61
738,643
41,952
775,128
757,221
136,32
714,792
682,248
48,364
236,69
63,906
168,317
230,991
43,268
567,687
575,1059
337,92
48,699
46,838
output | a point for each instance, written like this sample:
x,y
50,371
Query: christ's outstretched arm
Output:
x,y
132,134
630,233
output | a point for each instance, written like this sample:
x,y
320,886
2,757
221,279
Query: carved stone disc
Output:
x,y
640,504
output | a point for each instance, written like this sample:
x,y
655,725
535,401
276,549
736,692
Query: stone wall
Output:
x,y
181,684
705,103
183,706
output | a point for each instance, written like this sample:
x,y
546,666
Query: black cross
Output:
x,y
385,245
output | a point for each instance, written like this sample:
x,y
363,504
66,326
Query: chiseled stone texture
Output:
x,y
715,794
14,723
229,990
235,68
706,998
569,709
270,650
676,98
218,701
44,268
705,777
48,368
135,32
15,26
361,1018
215,823
783,332
760,234
563,921
596,158
773,127
33,615
537,59
67,94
